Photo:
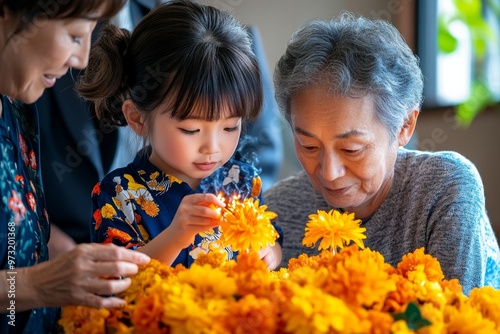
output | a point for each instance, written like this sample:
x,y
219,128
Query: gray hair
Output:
x,y
355,57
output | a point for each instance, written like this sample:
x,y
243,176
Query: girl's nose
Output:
x,y
211,144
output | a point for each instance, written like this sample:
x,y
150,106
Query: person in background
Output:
x,y
78,151
351,90
39,42
185,80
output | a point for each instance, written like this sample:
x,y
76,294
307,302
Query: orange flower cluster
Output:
x,y
349,291
354,291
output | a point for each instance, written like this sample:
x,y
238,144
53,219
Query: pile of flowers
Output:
x,y
345,289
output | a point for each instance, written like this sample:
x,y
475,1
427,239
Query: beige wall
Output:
x,y
436,130
278,19
480,142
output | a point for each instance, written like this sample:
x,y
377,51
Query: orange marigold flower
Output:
x,y
303,260
374,321
412,261
247,226
334,228
360,279
147,315
251,315
252,276
398,299
214,259
83,319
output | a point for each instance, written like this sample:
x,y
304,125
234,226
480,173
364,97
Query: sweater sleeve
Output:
x,y
458,230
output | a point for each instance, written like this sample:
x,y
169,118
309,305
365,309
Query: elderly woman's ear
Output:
x,y
408,127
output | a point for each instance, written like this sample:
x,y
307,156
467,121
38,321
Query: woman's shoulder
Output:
x,y
437,164
432,175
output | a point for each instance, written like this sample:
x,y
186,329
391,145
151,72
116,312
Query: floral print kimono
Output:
x,y
133,204
24,225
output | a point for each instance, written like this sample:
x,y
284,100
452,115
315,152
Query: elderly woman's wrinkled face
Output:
x,y
36,57
346,153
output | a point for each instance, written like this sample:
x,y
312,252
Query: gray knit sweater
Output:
x,y
436,201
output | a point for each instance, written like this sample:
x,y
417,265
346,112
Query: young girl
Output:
x,y
185,80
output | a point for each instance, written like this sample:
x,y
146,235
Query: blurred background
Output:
x,y
457,42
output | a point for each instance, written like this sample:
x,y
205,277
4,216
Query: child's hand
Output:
x,y
195,214
271,255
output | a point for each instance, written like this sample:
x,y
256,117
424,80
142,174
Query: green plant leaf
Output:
x,y
478,100
413,317
447,43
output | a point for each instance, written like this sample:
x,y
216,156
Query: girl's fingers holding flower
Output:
x,y
205,200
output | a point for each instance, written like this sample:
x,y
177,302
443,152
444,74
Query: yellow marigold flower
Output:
x,y
148,275
426,290
334,228
487,301
281,275
435,316
417,259
108,211
310,310
400,327
463,319
247,226
208,281
195,298
373,321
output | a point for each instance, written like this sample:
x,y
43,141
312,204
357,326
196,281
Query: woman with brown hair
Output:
x,y
39,42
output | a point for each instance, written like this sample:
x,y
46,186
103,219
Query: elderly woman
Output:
x,y
351,89
39,42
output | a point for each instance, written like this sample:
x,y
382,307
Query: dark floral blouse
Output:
x,y
24,225
133,204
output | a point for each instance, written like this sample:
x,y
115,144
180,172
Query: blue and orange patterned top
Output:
x,y
133,204
24,225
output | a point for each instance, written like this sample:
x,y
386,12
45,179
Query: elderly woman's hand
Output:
x,y
84,276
